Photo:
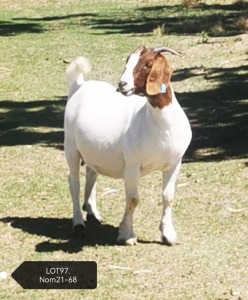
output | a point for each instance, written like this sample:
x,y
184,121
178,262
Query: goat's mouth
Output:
x,y
128,93
125,89
125,93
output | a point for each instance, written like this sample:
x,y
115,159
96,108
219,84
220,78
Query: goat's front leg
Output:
x,y
90,204
168,233
131,178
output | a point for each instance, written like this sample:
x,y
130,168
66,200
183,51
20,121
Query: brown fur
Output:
x,y
152,70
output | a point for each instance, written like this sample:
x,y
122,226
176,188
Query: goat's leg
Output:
x,y
90,205
168,233
126,234
73,160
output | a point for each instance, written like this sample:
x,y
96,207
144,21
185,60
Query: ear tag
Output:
x,y
163,88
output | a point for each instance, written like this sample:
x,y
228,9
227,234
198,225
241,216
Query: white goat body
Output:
x,y
121,137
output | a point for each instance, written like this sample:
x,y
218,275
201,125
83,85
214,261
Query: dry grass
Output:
x,y
242,24
160,30
190,3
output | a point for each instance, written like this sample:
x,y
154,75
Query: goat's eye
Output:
x,y
148,65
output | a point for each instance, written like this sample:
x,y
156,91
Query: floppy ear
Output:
x,y
159,76
155,78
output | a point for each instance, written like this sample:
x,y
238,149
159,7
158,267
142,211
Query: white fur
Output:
x,y
127,76
75,73
121,137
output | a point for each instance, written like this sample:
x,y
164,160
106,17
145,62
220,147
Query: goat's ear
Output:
x,y
157,77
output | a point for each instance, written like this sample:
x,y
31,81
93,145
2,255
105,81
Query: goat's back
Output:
x,y
96,121
98,102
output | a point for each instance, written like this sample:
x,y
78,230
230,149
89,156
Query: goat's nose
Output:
x,y
121,85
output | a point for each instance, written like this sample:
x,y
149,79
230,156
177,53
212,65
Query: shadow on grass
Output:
x,y
17,26
216,19
32,122
10,28
218,116
58,18
61,230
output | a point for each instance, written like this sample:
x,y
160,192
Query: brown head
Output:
x,y
148,72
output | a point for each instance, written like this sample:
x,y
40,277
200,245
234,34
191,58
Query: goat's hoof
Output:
x,y
92,219
129,242
169,239
79,231
167,242
92,215
168,235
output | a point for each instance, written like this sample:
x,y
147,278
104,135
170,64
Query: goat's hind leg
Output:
x,y
90,204
73,160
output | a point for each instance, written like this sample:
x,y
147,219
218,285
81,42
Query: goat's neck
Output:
x,y
161,115
163,99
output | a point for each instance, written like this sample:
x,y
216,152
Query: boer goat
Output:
x,y
125,137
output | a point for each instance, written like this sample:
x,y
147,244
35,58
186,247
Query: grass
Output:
x,y
210,212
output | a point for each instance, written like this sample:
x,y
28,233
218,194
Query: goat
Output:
x,y
125,137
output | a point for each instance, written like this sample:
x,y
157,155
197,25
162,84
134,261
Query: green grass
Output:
x,y
211,207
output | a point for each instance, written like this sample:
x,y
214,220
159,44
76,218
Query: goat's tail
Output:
x,y
75,73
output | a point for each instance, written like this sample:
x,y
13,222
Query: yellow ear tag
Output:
x,y
163,88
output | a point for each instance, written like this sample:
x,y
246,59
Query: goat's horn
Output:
x,y
166,49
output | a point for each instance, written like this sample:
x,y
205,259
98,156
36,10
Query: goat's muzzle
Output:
x,y
124,89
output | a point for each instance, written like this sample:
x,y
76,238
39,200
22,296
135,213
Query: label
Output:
x,y
56,275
